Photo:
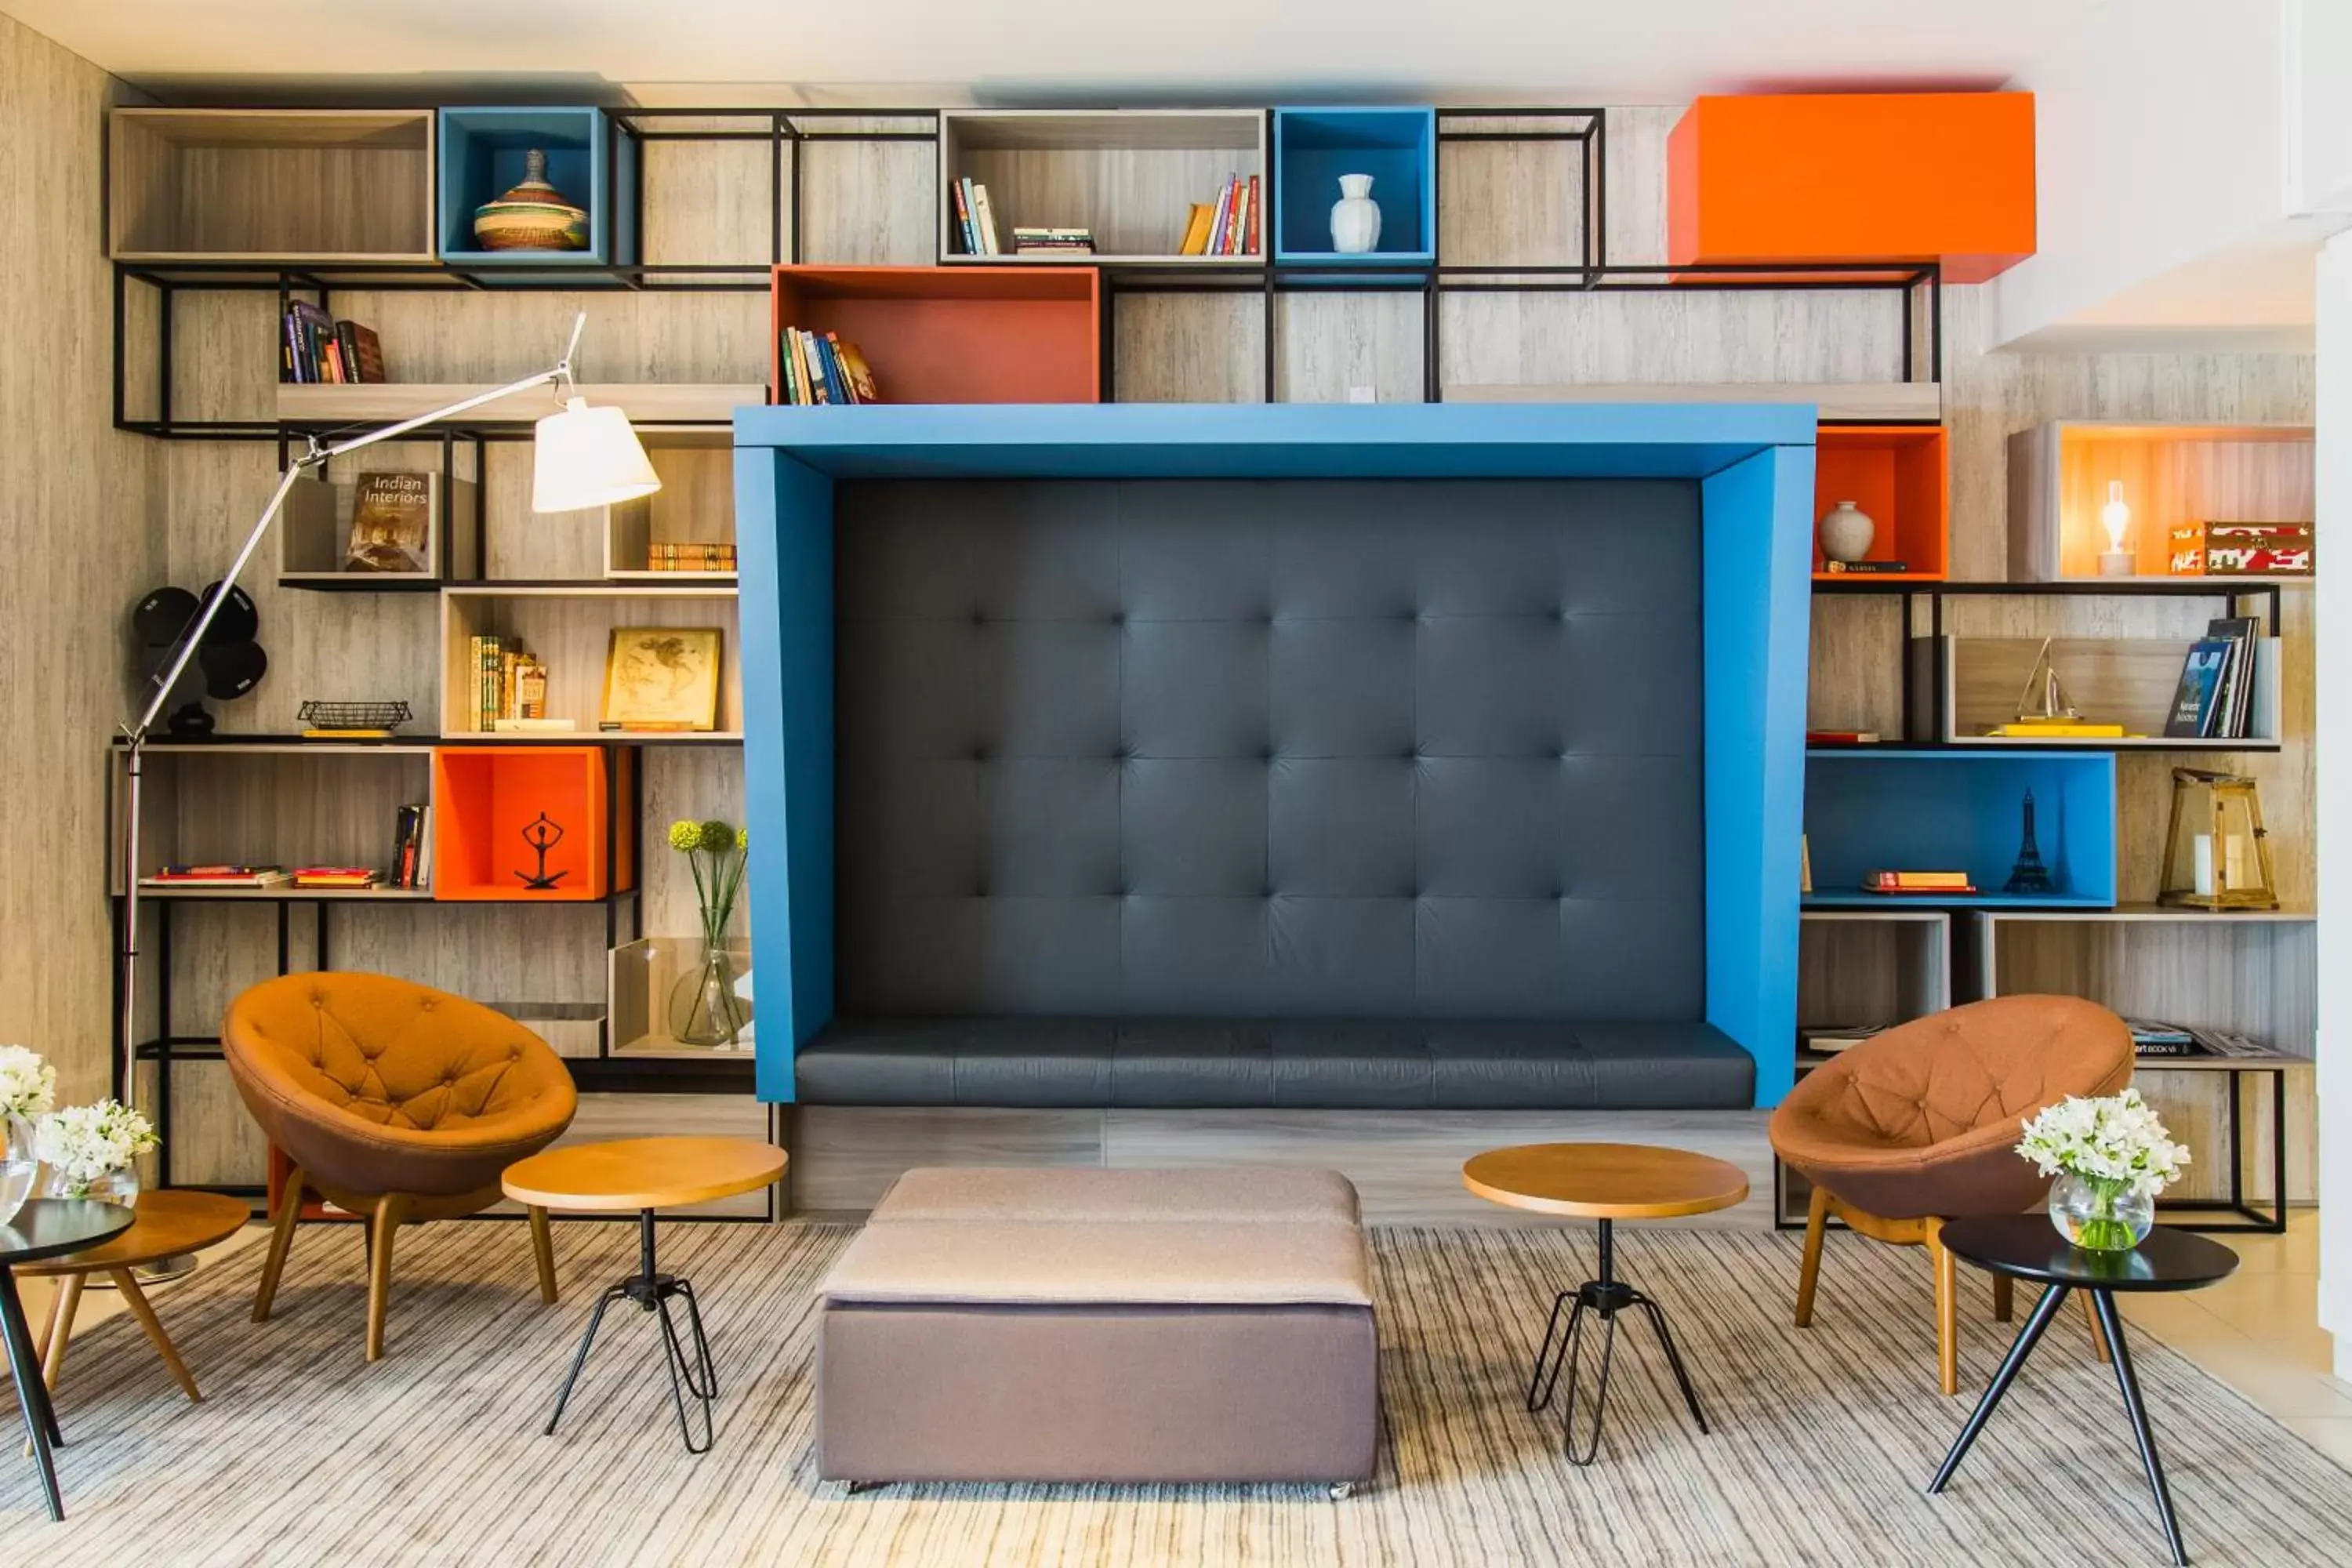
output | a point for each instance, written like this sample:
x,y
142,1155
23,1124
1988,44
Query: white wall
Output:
x,y
2331,612
2318,40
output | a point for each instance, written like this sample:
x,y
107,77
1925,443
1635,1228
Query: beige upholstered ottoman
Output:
x,y
1091,1325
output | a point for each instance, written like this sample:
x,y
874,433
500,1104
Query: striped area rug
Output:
x,y
304,1454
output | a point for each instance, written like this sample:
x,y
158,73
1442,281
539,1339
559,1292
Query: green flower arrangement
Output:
x,y
717,851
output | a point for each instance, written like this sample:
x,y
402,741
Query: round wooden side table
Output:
x,y
645,1174
1605,1183
2028,1247
44,1228
168,1224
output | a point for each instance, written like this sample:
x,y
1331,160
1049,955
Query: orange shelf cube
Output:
x,y
1851,177
485,797
953,334
1900,475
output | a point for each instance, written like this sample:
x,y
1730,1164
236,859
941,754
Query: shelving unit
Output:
x,y
592,162
488,804
695,505
1131,176
975,334
569,627
2123,681
314,533
1900,475
640,979
2059,474
381,403
1907,809
277,184
1313,147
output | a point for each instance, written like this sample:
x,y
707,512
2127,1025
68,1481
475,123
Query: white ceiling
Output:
x,y
1607,51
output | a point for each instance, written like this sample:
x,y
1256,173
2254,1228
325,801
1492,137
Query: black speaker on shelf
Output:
x,y
229,662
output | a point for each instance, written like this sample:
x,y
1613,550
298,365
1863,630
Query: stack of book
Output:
x,y
2152,1039
1228,225
354,878
972,222
819,367
412,847
2215,698
1828,1039
686,555
314,348
1053,242
231,875
1946,883
510,689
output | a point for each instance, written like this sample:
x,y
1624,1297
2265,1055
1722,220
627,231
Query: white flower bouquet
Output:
x,y
85,1144
28,1086
2112,1156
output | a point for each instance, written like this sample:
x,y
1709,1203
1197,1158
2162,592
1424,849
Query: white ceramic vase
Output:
x,y
1846,532
1354,219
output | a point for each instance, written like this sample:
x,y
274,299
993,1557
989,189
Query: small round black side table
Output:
x,y
2027,1247
45,1227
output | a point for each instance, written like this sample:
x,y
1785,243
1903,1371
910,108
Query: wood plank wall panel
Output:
x,y
77,533
869,203
1327,344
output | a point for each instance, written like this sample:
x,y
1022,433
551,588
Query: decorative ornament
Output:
x,y
542,834
533,216
1846,532
1355,216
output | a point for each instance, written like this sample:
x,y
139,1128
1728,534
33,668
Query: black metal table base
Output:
x,y
32,1393
653,1291
2111,1323
1598,1299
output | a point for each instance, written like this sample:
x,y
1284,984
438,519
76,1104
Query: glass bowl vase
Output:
x,y
2100,1215
20,1165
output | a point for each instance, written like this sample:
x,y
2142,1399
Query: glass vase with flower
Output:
x,y
2111,1156
705,1007
29,1089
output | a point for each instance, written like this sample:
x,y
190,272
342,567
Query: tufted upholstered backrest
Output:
x,y
1281,748
391,1052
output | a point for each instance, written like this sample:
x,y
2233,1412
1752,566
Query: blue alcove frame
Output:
x,y
1754,466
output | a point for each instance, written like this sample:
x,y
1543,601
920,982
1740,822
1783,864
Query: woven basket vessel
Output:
x,y
531,216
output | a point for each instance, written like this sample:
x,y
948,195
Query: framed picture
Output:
x,y
662,677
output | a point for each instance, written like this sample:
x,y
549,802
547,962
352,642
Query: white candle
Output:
x,y
2204,858
2233,861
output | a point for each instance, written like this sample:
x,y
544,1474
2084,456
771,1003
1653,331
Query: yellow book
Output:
x,y
2055,729
1196,231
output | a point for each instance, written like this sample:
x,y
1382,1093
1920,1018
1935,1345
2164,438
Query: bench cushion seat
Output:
x,y
1299,1064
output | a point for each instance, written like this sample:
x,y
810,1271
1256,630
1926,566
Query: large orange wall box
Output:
x,y
1862,176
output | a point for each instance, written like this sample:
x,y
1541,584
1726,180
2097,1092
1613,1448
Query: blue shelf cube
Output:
x,y
1890,809
1313,147
592,162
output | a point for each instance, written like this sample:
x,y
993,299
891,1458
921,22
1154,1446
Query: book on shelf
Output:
x,y
1052,241
2217,549
983,217
1228,225
2227,1043
1917,882
392,523
1196,230
1866,568
412,846
820,368
1828,1039
1841,737
216,875
2153,1037
533,726
2055,730
690,555
314,348
2200,703
960,208
353,876
508,683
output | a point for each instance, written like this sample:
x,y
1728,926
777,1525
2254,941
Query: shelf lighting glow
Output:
x,y
2116,518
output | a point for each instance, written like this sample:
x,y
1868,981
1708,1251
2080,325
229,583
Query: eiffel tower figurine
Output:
x,y
2028,874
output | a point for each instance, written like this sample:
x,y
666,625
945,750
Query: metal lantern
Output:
x,y
2216,856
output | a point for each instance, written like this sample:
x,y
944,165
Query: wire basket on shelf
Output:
x,y
315,715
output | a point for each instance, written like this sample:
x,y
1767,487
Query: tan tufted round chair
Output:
x,y
395,1101
1920,1125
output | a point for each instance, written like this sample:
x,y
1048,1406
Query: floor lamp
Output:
x,y
582,456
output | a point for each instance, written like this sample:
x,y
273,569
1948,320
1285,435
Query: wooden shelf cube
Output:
x,y
2113,681
695,505
278,185
1886,808
642,973
315,529
1131,176
485,800
591,161
1900,475
966,334
569,627
2059,476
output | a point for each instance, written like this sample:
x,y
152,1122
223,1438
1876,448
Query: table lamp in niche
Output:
x,y
533,215
2216,853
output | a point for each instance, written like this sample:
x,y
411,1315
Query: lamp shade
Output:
x,y
587,457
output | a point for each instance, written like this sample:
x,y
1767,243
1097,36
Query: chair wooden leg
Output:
x,y
59,1328
2098,1338
2004,1298
136,1299
542,1252
389,1211
1947,1309
1809,1273
281,1240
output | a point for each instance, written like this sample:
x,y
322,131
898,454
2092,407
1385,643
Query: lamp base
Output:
x,y
2118,563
